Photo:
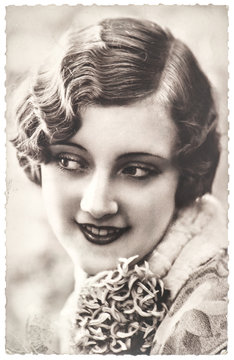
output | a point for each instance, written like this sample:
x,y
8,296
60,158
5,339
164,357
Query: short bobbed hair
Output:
x,y
119,62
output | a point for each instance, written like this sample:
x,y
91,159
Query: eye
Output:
x,y
71,163
140,171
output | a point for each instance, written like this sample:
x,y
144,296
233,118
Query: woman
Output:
x,y
119,129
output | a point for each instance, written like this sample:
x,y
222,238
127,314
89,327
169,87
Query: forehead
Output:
x,y
143,126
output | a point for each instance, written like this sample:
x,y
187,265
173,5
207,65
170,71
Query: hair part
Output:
x,y
119,62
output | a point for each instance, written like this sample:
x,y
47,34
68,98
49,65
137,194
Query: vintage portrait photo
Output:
x,y
117,180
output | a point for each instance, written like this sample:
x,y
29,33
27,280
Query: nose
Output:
x,y
96,198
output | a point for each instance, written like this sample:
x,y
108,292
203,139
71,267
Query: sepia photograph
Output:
x,y
117,180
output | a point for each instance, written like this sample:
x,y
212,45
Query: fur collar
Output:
x,y
198,234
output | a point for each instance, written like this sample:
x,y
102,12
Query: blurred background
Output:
x,y
39,273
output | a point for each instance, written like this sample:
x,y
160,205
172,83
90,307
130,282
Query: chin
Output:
x,y
97,266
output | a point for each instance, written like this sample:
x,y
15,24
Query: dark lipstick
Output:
x,y
102,235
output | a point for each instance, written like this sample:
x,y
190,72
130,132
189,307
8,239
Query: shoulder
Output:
x,y
197,320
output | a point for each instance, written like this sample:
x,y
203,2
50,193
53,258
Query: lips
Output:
x,y
102,235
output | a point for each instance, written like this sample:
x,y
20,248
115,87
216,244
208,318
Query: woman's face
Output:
x,y
109,191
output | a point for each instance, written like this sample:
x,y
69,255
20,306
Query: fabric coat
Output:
x,y
192,261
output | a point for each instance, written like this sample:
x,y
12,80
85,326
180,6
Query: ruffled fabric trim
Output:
x,y
118,311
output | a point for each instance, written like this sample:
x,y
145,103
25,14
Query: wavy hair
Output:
x,y
118,62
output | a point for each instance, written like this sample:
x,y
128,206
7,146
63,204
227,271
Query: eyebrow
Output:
x,y
68,143
135,154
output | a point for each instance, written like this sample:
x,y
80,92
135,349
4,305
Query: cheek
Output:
x,y
58,198
151,213
154,202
